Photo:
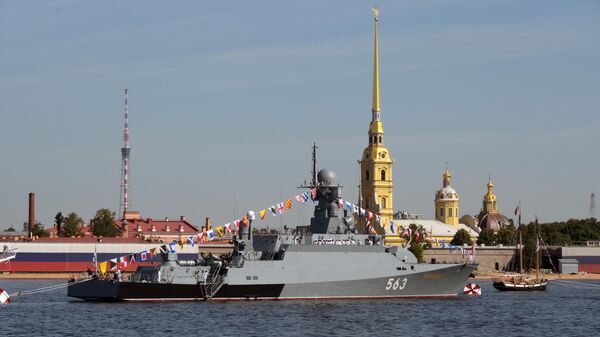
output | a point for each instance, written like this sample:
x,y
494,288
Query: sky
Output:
x,y
227,97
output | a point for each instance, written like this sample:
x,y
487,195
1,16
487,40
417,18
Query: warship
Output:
x,y
330,260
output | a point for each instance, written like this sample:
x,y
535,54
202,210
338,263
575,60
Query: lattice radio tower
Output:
x,y
125,153
593,205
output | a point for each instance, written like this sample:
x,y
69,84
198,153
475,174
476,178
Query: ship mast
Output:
x,y
313,170
537,249
520,241
314,165
520,249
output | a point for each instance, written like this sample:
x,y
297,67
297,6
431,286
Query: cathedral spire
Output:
x,y
376,105
447,177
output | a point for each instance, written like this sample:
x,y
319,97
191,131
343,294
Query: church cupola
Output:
x,y
489,200
446,201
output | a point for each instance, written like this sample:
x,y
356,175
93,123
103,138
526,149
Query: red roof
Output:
x,y
89,239
158,227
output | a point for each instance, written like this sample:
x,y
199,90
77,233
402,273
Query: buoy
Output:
x,y
472,289
4,297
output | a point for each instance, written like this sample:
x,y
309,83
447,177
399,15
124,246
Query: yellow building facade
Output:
x,y
376,164
447,201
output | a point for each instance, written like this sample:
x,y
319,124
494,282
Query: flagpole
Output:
x,y
520,211
95,260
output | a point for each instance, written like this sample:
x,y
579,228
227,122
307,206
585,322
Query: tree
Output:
x,y
417,249
461,237
417,236
104,223
39,231
506,235
487,237
59,220
72,224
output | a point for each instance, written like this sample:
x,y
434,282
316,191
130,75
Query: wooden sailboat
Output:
x,y
521,281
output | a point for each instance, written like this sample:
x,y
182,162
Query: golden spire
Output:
x,y
376,107
446,176
490,186
489,200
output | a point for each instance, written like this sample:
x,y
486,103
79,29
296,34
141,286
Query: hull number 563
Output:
x,y
395,283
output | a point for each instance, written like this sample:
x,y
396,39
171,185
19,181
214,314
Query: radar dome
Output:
x,y
326,177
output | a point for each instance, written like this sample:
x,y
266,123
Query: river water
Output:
x,y
563,310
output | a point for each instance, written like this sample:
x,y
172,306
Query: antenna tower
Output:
x,y
313,169
593,205
125,153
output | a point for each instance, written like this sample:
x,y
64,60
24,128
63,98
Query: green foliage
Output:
x,y
417,241
558,234
71,225
487,237
417,249
39,231
418,234
59,220
461,237
104,223
506,235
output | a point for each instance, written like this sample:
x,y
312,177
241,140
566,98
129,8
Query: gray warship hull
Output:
x,y
329,261
304,272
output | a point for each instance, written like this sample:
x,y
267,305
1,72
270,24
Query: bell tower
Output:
x,y
446,201
376,164
489,199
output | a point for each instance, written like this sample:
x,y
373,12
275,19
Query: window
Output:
x,y
380,139
383,175
450,211
367,175
442,211
383,203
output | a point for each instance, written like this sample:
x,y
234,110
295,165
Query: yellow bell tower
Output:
x,y
446,201
489,200
376,164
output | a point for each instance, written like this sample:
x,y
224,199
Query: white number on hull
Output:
x,y
396,283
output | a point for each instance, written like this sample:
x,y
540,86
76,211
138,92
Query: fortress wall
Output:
x,y
487,257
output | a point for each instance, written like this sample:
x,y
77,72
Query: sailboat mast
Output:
x,y
520,249
520,240
537,249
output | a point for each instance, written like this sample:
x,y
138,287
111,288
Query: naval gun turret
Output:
x,y
328,218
